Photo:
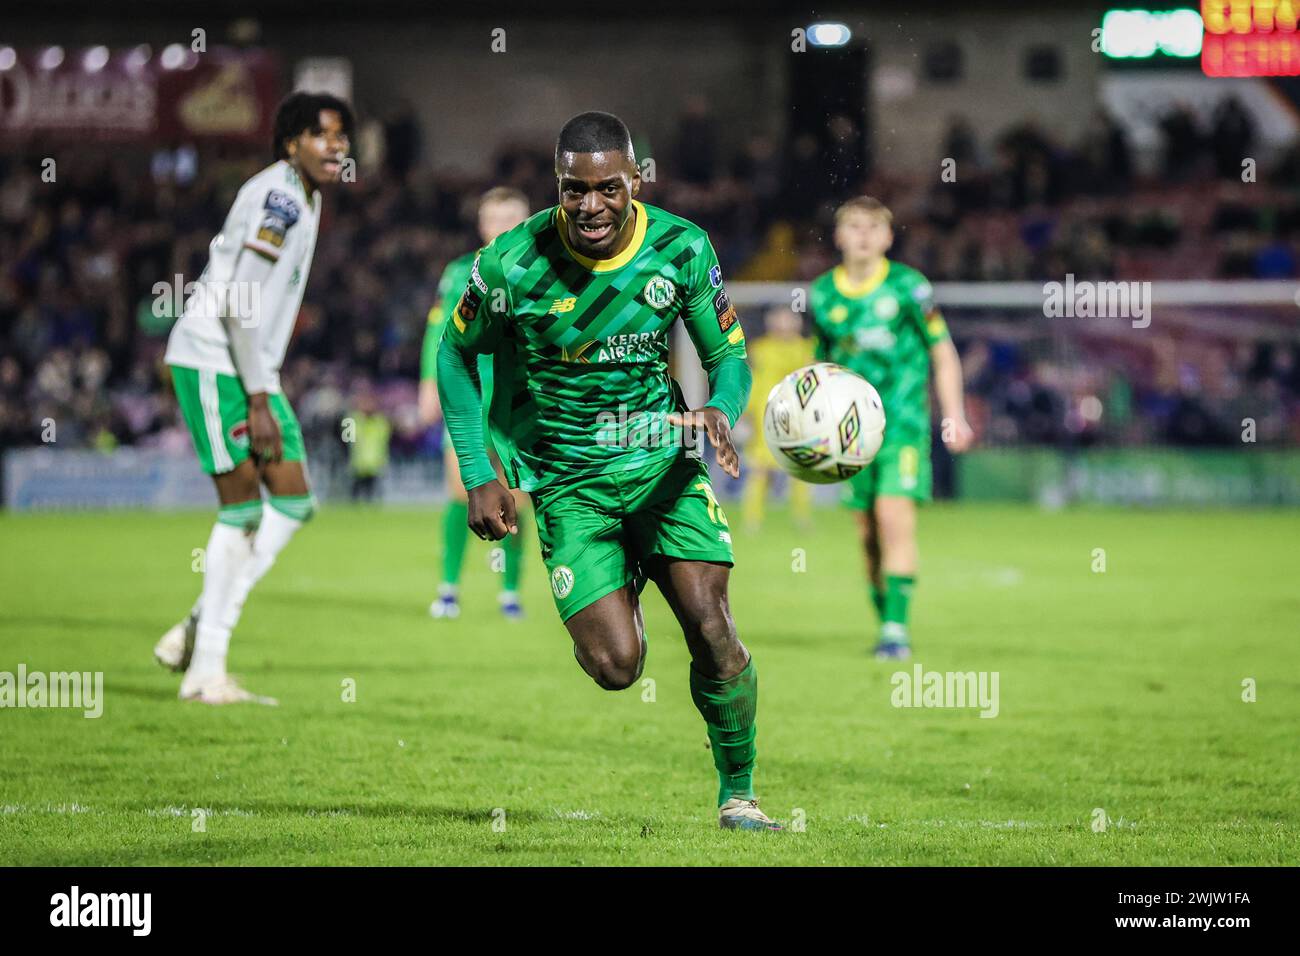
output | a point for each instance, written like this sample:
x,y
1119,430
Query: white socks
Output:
x,y
229,551
273,534
235,562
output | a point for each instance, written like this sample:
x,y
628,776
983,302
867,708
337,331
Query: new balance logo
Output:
x,y
562,305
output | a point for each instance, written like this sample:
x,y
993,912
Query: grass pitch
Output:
x,y
482,742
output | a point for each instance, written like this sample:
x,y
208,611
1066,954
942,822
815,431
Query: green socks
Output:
x,y
297,507
513,545
898,595
246,515
455,534
878,601
455,538
728,708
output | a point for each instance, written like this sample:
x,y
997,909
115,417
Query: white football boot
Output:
x,y
220,689
175,648
740,814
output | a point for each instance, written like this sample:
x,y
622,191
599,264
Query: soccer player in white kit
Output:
x,y
225,354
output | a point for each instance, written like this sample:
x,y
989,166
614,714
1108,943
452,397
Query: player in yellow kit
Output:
x,y
778,352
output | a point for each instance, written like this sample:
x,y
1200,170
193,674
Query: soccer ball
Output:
x,y
823,423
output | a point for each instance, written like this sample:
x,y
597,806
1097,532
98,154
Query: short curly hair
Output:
x,y
300,111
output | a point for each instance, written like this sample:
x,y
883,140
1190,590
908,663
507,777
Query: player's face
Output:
x,y
596,191
495,218
319,153
862,236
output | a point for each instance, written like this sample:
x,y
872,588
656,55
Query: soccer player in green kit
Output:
x,y
878,318
499,210
575,306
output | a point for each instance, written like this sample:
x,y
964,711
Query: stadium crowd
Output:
x,y
83,321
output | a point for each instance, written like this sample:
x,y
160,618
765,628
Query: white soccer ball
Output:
x,y
823,423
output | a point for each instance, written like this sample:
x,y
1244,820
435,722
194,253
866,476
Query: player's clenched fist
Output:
x,y
492,511
715,425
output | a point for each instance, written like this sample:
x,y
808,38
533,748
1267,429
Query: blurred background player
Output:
x,y
371,433
779,351
879,319
499,210
225,354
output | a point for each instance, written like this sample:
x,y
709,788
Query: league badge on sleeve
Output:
x,y
280,212
724,310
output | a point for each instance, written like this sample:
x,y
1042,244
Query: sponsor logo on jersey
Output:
x,y
715,276
562,305
878,337
562,581
886,307
280,212
724,310
629,347
659,292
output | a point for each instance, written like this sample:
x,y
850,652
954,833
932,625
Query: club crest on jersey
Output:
x,y
659,292
562,581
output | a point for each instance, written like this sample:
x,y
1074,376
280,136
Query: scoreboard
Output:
x,y
1250,38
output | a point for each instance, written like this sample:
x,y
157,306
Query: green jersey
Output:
x,y
580,347
883,330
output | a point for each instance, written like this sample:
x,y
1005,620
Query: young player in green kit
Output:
x,y
575,307
878,318
499,210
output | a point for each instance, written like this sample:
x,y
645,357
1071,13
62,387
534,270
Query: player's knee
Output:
x,y
614,669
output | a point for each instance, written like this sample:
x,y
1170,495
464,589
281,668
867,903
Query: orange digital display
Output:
x,y
1250,38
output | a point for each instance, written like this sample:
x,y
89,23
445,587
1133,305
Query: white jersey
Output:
x,y
272,217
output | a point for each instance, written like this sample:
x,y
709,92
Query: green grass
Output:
x,y
1118,690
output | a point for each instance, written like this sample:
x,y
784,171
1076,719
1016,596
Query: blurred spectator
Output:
x,y
370,433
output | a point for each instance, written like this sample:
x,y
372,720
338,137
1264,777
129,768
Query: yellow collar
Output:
x,y
866,287
620,260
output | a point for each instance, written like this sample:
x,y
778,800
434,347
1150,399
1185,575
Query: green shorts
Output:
x,y
901,469
596,531
216,410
